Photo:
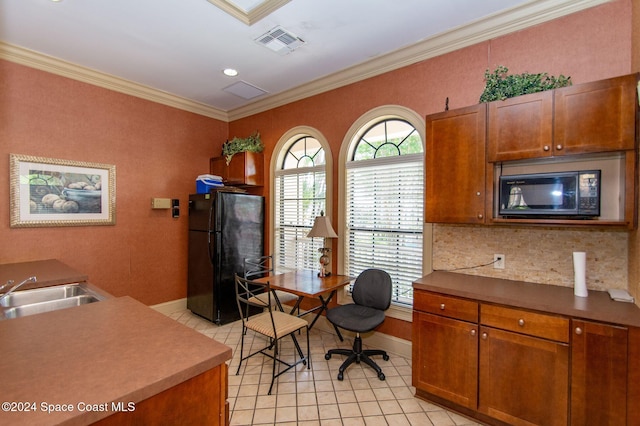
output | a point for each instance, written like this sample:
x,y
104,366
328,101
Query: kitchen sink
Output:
x,y
30,302
52,305
46,294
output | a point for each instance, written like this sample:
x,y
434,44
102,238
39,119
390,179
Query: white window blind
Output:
x,y
384,220
300,196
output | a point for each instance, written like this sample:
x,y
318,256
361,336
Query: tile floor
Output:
x,y
315,396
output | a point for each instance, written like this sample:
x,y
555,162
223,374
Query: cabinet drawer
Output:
x,y
539,325
452,307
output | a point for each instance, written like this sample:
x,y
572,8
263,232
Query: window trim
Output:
x,y
357,129
279,151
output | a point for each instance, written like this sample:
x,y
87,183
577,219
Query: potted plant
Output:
x,y
252,143
500,86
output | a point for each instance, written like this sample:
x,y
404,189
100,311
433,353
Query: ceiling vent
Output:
x,y
280,40
244,90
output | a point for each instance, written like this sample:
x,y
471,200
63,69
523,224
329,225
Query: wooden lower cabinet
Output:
x,y
512,366
523,379
445,354
598,374
201,400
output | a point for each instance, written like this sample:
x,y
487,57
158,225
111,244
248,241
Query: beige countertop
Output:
x,y
598,306
117,350
49,272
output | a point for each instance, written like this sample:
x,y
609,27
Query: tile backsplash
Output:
x,y
538,255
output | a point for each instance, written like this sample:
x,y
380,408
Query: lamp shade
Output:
x,y
322,228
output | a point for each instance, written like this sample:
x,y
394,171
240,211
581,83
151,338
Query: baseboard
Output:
x,y
383,341
373,339
171,306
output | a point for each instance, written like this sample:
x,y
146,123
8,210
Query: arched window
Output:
x,y
384,203
300,192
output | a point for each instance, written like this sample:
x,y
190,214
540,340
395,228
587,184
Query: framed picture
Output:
x,y
53,192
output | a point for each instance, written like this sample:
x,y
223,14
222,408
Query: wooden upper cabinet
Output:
x,y
245,169
521,127
581,119
596,117
455,166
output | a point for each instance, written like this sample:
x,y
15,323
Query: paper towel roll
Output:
x,y
579,274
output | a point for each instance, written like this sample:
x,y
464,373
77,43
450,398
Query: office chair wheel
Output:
x,y
381,376
386,358
340,376
327,356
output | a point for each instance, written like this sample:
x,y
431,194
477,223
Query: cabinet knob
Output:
x,y
546,148
578,330
478,193
442,306
484,336
480,215
473,332
521,322
559,147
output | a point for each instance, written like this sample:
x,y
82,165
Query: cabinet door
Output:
x,y
455,166
445,358
524,380
598,374
596,117
521,127
218,167
245,169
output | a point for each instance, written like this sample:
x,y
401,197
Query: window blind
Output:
x,y
300,197
384,220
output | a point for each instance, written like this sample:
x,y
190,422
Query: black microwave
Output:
x,y
574,194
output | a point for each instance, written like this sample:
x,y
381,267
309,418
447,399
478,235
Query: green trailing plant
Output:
x,y
251,144
500,85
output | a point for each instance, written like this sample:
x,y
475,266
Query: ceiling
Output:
x,y
174,51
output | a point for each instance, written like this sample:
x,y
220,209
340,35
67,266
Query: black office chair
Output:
x,y
372,296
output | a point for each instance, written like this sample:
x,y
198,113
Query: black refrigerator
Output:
x,y
224,229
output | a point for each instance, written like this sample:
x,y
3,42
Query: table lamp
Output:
x,y
322,228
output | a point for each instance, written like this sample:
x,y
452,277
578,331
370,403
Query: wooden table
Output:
x,y
306,283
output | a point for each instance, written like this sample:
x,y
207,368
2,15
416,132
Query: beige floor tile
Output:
x,y
371,408
349,409
376,421
398,420
308,412
315,397
264,416
390,407
329,411
331,422
242,417
286,414
326,398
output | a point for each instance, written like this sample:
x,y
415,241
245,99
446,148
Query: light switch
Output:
x,y
161,203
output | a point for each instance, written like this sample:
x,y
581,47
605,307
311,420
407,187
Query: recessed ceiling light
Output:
x,y
230,72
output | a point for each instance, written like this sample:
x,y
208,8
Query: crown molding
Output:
x,y
496,25
57,66
265,8
515,19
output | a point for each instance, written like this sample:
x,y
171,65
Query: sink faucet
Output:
x,y
15,287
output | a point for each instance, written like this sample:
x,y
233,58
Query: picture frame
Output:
x,y
55,192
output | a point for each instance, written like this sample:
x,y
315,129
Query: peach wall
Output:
x,y
589,45
158,151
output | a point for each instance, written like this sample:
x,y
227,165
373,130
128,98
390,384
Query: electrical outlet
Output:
x,y
498,261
